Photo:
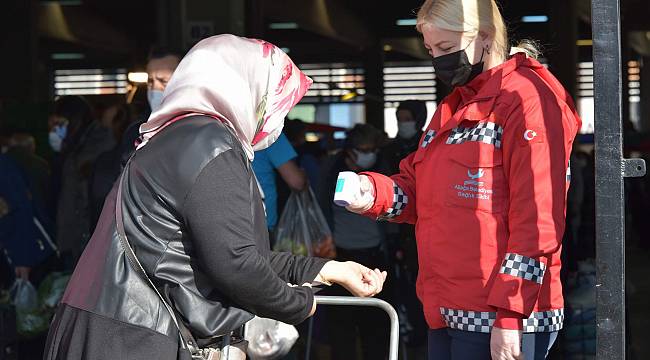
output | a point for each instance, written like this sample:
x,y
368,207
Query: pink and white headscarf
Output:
x,y
248,84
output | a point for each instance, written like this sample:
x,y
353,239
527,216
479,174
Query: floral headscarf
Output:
x,y
249,84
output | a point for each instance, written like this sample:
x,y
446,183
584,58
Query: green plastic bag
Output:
x,y
31,320
52,288
35,309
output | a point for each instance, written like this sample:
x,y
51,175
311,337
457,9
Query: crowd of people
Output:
x,y
56,202
203,199
49,208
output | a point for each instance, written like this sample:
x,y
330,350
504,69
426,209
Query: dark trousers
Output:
x,y
347,324
451,344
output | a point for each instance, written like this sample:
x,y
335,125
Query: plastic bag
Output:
x,y
23,295
302,229
269,339
31,319
52,288
33,322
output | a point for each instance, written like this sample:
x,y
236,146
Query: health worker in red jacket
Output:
x,y
486,189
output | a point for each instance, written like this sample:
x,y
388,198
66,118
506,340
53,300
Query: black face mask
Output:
x,y
454,69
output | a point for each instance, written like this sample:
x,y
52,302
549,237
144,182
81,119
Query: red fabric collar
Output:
x,y
482,90
488,84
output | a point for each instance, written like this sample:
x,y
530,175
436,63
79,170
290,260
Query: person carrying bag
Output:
x,y
180,259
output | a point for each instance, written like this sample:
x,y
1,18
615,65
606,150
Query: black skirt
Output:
x,y
77,334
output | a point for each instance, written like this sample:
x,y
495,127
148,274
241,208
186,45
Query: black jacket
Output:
x,y
194,216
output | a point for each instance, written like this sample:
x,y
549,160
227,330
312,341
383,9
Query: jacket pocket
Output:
x,y
476,183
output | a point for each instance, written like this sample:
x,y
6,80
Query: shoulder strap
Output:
x,y
186,338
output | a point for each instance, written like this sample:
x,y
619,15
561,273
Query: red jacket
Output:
x,y
486,190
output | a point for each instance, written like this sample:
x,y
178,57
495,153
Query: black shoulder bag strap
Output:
x,y
185,336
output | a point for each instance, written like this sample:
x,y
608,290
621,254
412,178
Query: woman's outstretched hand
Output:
x,y
356,278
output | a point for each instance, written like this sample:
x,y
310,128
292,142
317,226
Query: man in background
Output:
x,y
160,67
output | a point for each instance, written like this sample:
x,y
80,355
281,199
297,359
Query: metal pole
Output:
x,y
611,168
310,331
354,301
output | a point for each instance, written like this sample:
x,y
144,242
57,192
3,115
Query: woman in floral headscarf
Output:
x,y
193,215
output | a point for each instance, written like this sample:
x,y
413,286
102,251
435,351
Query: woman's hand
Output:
x,y
365,198
505,344
356,278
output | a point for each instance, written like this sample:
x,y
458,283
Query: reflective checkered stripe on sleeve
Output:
x,y
475,321
523,267
544,321
400,200
428,138
486,132
482,321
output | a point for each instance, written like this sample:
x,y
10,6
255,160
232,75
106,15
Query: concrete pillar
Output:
x,y
182,23
18,46
255,19
564,33
169,23
373,65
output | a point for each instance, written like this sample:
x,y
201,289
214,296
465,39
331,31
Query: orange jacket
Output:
x,y
487,191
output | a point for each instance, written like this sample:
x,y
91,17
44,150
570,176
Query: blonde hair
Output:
x,y
530,47
470,16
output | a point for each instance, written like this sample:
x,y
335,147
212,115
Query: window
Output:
x,y
344,115
334,83
634,91
90,82
586,96
407,81
586,93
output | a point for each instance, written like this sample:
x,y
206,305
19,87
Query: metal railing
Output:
x,y
355,301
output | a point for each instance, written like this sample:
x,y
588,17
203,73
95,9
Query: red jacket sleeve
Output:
x,y
395,195
538,137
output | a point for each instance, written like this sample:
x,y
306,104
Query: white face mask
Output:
x,y
155,99
406,129
365,160
56,136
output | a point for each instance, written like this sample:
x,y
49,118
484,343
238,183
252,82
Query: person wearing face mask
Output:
x,y
56,136
357,238
160,67
82,139
411,117
486,189
181,255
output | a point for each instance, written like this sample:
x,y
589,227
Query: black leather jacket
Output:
x,y
157,181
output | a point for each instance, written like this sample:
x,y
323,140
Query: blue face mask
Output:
x,y
365,160
155,99
56,137
406,129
